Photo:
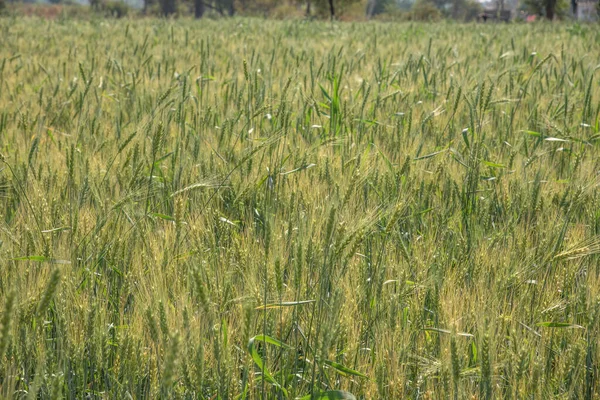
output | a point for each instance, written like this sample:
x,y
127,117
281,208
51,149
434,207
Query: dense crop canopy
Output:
x,y
251,209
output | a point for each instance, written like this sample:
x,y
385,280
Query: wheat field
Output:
x,y
252,209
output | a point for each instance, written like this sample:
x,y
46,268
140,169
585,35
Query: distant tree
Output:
x,y
221,6
470,10
229,6
2,5
167,7
548,8
456,7
464,10
147,5
405,4
113,8
331,7
375,7
425,10
199,8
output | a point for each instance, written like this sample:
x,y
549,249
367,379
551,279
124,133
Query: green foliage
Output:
x,y
167,7
323,8
231,208
468,10
425,10
116,8
548,8
375,7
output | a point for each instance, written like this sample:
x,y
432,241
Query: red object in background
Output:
x,y
531,18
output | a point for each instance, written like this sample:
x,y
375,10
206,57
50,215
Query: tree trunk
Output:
x,y
371,4
308,8
331,9
231,8
550,13
550,7
500,7
167,7
198,8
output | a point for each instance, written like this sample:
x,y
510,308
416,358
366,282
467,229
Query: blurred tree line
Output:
x,y
417,10
422,10
264,7
410,9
